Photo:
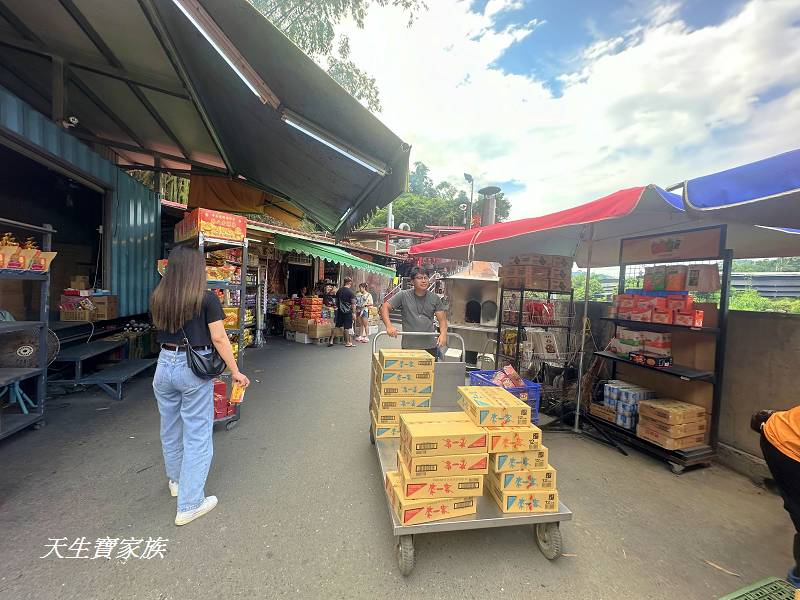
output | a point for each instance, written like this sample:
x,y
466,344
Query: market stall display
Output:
x,y
231,286
440,475
32,270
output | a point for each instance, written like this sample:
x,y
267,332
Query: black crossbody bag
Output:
x,y
205,367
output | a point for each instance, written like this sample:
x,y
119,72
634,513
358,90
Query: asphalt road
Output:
x,y
302,512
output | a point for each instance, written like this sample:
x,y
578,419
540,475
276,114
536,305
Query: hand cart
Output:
x,y
546,532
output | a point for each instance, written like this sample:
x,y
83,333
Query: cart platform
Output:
x,y
487,515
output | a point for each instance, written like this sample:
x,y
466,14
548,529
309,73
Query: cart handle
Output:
x,y
416,333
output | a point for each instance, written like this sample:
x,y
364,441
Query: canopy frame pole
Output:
x,y
585,324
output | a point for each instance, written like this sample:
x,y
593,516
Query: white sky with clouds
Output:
x,y
656,104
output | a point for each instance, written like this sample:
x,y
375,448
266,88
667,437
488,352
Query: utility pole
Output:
x,y
471,182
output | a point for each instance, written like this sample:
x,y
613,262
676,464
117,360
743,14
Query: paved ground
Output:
x,y
302,512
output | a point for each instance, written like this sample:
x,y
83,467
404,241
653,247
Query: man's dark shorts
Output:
x,y
344,320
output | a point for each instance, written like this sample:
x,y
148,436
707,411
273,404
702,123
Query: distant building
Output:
x,y
769,285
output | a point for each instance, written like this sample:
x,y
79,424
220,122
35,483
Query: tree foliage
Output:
x,y
769,265
311,24
429,203
595,286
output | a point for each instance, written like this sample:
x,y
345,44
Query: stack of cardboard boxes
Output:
x,y
520,477
402,382
537,271
672,424
440,467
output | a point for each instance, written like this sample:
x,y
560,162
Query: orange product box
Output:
x,y
438,439
662,316
492,406
644,315
538,501
690,318
530,479
212,224
424,510
439,486
682,303
625,300
444,466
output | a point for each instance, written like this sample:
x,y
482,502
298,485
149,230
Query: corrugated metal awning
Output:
x,y
142,79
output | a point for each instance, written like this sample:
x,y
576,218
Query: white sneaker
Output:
x,y
173,488
187,516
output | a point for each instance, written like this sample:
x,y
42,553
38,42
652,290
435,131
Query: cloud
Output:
x,y
494,7
657,103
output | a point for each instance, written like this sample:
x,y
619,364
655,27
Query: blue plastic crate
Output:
x,y
530,393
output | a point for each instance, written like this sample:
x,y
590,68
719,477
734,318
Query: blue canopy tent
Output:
x,y
766,193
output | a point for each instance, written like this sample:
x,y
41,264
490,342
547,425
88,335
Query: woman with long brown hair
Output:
x,y
183,309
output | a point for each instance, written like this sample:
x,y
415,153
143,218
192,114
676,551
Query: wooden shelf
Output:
x,y
680,371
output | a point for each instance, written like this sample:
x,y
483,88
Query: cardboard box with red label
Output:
x,y
414,512
443,466
441,438
491,406
212,224
438,486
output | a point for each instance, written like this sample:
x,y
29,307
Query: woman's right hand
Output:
x,y
240,379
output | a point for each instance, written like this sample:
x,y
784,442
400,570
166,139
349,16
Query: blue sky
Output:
x,y
560,102
570,26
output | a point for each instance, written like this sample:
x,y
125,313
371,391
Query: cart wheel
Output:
x,y
676,468
405,554
231,424
39,424
548,538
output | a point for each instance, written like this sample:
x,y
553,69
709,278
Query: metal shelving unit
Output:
x,y
703,454
11,422
206,244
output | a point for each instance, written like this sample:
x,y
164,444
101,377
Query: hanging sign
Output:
x,y
293,258
695,244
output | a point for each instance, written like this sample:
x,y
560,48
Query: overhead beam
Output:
x,y
59,90
149,152
105,108
100,69
162,34
109,55
17,24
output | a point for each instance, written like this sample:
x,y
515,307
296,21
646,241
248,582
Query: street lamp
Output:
x,y
471,182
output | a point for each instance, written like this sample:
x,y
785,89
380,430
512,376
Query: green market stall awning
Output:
x,y
330,253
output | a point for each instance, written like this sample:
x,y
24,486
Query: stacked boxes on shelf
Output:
x,y
650,348
657,307
672,424
402,382
624,398
441,464
520,478
537,271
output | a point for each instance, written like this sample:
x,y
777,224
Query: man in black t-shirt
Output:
x,y
345,301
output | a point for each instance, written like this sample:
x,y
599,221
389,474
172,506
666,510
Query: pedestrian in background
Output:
x,y
184,310
363,304
345,306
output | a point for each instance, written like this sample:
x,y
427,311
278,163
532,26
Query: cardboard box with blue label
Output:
x,y
401,403
519,461
513,439
407,377
441,438
424,510
404,390
541,501
444,466
491,406
438,486
532,479
403,360
381,432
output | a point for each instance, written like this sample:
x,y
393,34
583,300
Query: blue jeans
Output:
x,y
186,405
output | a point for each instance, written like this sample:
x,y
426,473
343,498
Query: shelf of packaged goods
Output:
x,y
9,326
699,455
23,274
13,375
660,327
223,285
538,291
680,371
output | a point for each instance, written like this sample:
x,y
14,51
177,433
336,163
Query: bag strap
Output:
x,y
185,338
